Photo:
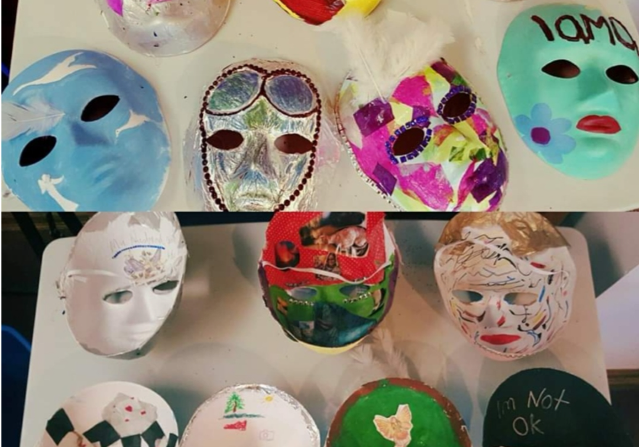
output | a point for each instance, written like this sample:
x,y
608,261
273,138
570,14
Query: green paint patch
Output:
x,y
431,425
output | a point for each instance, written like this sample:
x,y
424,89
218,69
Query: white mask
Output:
x,y
122,280
164,27
112,414
507,281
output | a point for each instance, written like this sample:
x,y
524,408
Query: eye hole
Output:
x,y
293,143
36,150
458,105
119,297
355,291
521,299
226,140
562,68
622,74
99,107
303,293
468,296
166,287
408,141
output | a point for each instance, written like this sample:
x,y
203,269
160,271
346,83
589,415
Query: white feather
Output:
x,y
394,358
38,117
387,50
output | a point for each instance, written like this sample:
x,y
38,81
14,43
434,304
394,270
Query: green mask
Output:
x,y
569,77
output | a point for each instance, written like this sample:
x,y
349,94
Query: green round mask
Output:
x,y
569,75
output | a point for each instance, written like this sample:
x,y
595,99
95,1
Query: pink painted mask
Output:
x,y
431,145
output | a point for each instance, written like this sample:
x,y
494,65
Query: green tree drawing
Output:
x,y
234,403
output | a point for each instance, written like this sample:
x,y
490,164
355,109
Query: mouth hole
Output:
x,y
166,287
119,297
36,150
226,140
468,296
99,107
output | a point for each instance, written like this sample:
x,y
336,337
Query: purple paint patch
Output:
x,y
446,71
419,112
489,178
540,135
115,5
414,92
372,116
385,179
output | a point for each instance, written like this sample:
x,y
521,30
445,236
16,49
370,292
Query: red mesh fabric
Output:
x,y
288,244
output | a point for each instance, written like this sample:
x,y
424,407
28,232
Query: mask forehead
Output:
x,y
73,126
572,93
431,146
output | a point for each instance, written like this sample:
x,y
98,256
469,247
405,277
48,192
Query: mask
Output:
x,y
506,281
545,407
397,411
82,131
164,27
569,75
112,414
122,280
317,12
261,133
328,279
418,133
251,415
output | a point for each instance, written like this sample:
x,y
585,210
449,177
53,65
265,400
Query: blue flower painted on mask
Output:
x,y
544,135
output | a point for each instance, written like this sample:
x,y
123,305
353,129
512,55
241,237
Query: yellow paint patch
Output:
x,y
287,9
402,112
360,6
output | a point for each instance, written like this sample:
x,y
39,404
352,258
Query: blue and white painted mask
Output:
x,y
82,131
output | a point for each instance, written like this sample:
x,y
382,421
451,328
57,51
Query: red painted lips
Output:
x,y
599,124
500,339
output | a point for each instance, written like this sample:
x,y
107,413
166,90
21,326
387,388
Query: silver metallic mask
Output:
x,y
164,27
259,130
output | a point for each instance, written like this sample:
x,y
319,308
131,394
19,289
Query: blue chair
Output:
x,y
16,352
4,76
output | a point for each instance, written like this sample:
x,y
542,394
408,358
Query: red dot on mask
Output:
x,y
142,413
128,408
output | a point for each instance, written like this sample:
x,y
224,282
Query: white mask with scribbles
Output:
x,y
507,305
123,279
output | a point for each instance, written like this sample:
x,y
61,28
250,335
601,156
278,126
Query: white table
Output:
x,y
222,334
258,28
